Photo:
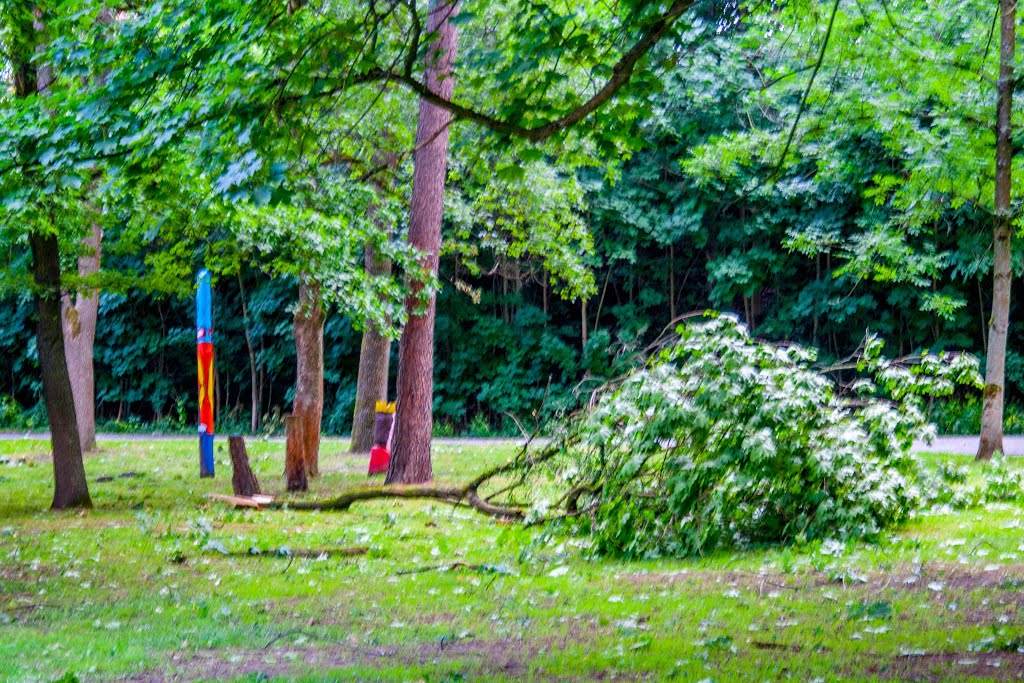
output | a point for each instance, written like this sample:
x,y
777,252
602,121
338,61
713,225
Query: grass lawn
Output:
x,y
158,584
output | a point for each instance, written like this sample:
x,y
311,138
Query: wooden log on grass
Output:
x,y
295,454
243,481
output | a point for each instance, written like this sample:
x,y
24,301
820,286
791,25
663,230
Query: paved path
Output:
x,y
960,445
968,445
142,436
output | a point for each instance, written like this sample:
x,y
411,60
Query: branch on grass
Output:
x,y
465,496
306,553
572,500
482,568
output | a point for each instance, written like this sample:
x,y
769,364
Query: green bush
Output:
x,y
13,416
726,441
959,416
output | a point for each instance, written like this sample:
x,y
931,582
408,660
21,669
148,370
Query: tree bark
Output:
x,y
79,328
243,481
410,461
671,282
295,454
374,359
999,323
375,350
70,487
583,324
308,330
254,373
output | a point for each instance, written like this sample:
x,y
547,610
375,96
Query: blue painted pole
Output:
x,y
204,357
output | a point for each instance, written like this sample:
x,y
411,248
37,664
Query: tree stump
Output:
x,y
295,454
243,481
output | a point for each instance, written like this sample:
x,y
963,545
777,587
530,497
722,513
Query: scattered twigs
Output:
x,y
977,547
482,568
299,632
302,553
762,645
305,552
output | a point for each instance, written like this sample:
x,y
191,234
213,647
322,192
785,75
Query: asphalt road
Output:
x,y
143,436
961,445
968,445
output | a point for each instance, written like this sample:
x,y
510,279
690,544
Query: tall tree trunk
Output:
x,y
999,323
70,487
79,328
80,317
375,350
308,407
410,461
374,358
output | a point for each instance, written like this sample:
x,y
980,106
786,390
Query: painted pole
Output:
x,y
204,356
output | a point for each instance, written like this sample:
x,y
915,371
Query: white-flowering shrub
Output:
x,y
948,487
723,440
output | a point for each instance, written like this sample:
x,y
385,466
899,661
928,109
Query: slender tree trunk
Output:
x,y
70,487
254,372
79,328
981,315
374,358
583,324
671,282
999,323
308,330
544,295
410,461
375,351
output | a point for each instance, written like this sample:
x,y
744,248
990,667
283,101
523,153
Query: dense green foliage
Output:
x,y
674,198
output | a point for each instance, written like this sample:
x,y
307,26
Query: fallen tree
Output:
x,y
720,440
